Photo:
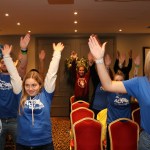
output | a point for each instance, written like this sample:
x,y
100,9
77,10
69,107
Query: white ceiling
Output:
x,y
93,17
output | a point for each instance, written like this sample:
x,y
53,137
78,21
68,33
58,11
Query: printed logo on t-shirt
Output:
x,y
121,101
34,104
5,85
82,82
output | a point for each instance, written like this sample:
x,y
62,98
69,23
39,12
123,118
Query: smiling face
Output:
x,y
3,66
32,87
81,71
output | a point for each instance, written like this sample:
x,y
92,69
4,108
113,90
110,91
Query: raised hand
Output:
x,y
58,47
137,60
24,41
122,58
74,55
130,53
117,54
6,50
107,60
42,55
90,59
96,48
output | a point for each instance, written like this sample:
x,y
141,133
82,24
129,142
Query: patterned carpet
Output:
x,y
60,133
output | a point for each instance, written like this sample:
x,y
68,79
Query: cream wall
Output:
x,y
15,41
135,42
124,42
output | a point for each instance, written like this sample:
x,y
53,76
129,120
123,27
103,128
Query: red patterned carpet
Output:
x,y
60,133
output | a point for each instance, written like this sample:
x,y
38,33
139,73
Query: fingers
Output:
x,y
59,46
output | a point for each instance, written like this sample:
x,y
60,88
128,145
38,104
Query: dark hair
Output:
x,y
34,70
1,55
119,72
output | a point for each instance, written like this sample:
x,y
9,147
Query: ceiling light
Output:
x,y
75,22
120,30
29,31
75,13
18,24
6,14
75,30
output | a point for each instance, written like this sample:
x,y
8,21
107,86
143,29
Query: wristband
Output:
x,y
24,51
137,66
99,61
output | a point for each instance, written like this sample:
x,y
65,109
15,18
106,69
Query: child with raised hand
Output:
x,y
8,103
34,97
138,87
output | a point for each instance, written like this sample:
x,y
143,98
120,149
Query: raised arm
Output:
x,y
24,41
116,65
41,64
15,78
137,61
98,51
130,61
51,76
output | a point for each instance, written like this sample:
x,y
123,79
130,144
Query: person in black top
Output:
x,y
120,64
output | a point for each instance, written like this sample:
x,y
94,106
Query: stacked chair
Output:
x,y
79,103
136,116
124,134
87,134
85,131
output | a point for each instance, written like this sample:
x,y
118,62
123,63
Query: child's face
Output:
x,y
118,78
81,71
2,66
32,87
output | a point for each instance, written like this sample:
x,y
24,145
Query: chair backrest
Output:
x,y
134,105
80,113
87,134
72,99
136,116
124,134
79,103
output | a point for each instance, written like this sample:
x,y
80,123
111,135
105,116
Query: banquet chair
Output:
x,y
72,99
75,115
79,103
87,134
80,113
124,134
136,116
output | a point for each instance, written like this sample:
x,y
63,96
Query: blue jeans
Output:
x,y
144,141
42,147
7,127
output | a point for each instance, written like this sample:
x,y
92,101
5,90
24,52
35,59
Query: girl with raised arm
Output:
x,y
34,97
138,87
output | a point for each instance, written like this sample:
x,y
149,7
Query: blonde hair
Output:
x,y
37,77
119,73
147,65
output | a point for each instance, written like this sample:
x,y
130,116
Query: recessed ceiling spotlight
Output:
x,y
75,13
120,30
18,24
29,31
6,14
75,22
75,30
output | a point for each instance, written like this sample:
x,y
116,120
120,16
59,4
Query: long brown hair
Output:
x,y
147,65
37,77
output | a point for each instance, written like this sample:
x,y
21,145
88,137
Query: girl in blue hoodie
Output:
x,y
35,98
